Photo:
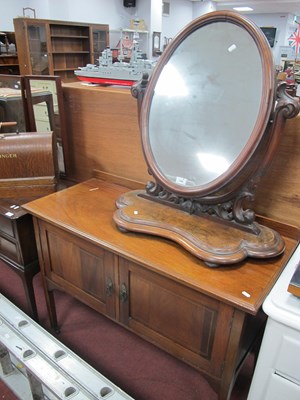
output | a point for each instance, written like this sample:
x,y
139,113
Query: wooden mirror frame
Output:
x,y
210,221
57,120
15,82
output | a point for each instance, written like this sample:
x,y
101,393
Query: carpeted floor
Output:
x,y
139,368
6,393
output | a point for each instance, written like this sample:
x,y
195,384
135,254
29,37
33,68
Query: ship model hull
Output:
x,y
106,81
116,73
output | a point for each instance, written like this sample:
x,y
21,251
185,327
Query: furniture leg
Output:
x,y
27,280
50,300
229,373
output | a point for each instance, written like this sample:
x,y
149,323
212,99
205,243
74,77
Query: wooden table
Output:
x,y
208,317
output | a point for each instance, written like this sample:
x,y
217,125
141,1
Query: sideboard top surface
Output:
x,y
86,210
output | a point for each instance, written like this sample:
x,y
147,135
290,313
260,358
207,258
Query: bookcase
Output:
x,y
9,64
49,47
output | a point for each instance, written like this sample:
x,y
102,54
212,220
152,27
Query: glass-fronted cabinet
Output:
x,y
100,40
37,41
50,47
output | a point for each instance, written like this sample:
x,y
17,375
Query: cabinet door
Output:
x,y
37,42
178,319
279,388
80,268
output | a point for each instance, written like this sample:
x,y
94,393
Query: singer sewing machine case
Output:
x,y
28,164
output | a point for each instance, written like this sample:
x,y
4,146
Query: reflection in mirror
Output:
x,y
200,100
13,117
46,111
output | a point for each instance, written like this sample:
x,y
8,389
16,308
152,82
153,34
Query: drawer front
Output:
x,y
280,389
9,249
6,226
287,360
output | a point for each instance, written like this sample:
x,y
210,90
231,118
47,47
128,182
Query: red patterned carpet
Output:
x,y
6,393
139,368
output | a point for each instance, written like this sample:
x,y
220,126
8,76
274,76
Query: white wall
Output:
x,y
181,13
9,11
203,7
113,12
110,12
285,26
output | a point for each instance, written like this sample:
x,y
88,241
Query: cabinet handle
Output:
x,y
123,293
109,287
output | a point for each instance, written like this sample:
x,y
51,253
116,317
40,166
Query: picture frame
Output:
x,y
156,39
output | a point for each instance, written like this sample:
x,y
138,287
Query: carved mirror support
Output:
x,y
211,118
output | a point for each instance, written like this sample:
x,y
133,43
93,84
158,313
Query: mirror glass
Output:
x,y
206,105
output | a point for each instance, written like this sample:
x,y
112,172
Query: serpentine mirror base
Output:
x,y
202,236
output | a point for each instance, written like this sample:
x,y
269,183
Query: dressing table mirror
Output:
x,y
211,118
46,111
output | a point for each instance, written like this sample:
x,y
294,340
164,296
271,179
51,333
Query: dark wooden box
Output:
x,y
18,246
28,164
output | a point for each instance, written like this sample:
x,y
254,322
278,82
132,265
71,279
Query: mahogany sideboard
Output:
x,y
208,317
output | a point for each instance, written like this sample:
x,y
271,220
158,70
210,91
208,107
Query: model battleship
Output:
x,y
119,72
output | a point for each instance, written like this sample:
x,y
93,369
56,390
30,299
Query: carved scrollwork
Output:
x,y
241,216
231,210
287,105
138,89
153,188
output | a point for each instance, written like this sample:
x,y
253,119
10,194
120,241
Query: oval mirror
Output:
x,y
211,118
208,104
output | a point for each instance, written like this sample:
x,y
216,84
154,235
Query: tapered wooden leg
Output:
x,y
27,279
